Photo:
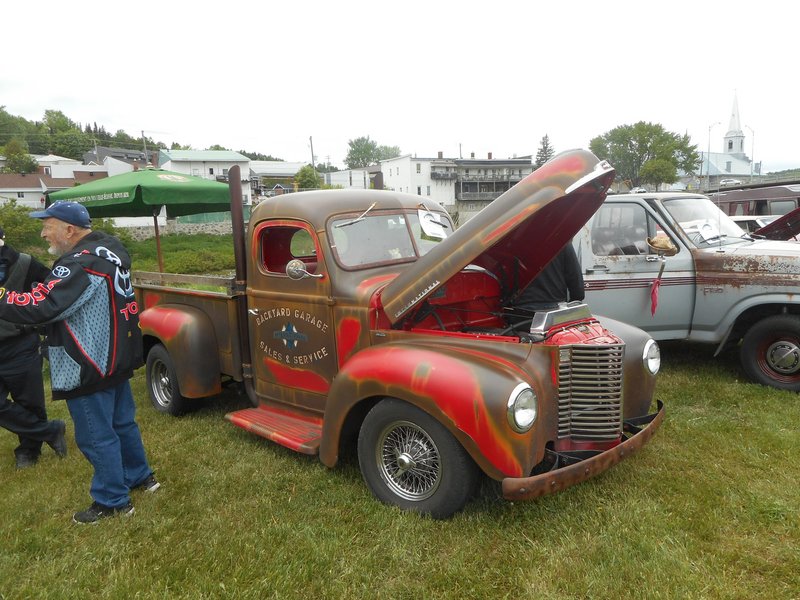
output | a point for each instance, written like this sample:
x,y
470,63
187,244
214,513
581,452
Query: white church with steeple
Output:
x,y
733,162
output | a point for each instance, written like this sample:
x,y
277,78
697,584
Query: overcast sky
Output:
x,y
456,77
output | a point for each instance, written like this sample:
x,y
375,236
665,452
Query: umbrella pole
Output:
x,y
158,245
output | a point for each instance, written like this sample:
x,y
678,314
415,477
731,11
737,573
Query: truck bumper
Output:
x,y
574,467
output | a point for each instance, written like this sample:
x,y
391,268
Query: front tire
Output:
x,y
162,382
770,353
410,460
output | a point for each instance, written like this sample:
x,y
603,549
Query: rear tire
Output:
x,y
410,460
770,353
162,382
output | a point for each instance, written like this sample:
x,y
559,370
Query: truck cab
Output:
x,y
716,284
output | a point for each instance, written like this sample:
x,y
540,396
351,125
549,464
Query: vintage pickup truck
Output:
x,y
362,317
709,282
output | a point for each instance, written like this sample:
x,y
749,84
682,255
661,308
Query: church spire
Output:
x,y
734,127
733,142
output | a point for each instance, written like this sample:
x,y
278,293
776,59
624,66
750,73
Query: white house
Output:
x,y
412,175
464,186
208,164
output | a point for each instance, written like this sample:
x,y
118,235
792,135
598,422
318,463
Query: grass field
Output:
x,y
709,509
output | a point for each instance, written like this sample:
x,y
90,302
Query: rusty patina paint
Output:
x,y
302,379
730,269
347,337
183,330
462,393
528,488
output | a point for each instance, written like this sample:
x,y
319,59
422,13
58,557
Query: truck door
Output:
x,y
290,320
619,270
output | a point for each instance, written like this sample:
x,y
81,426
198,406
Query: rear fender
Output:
x,y
466,390
188,335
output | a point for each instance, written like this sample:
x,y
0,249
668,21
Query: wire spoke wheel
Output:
x,y
412,461
409,461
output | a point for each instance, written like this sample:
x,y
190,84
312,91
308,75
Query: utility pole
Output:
x,y
144,143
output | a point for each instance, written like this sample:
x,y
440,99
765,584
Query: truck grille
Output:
x,y
590,392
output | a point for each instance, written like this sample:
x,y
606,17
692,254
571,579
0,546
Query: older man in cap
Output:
x,y
21,367
88,306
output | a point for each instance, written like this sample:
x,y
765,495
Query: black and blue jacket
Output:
x,y
90,313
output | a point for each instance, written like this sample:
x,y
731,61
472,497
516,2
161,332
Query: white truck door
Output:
x,y
620,270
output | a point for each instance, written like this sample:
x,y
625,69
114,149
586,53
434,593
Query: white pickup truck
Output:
x,y
713,284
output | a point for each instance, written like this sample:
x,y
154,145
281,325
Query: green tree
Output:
x,y
307,178
34,134
123,140
177,146
363,152
629,147
71,144
216,147
57,122
17,158
22,232
386,152
545,152
658,171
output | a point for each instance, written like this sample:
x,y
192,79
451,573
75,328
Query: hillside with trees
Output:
x,y
57,134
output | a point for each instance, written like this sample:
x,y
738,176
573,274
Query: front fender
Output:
x,y
464,389
188,335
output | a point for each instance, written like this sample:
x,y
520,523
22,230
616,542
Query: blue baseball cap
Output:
x,y
69,212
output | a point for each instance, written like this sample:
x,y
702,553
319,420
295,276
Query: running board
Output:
x,y
300,433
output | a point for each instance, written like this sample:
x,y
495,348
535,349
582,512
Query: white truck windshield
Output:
x,y
703,222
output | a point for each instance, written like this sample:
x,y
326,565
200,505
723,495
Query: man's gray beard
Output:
x,y
53,251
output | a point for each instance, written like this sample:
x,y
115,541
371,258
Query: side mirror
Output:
x,y
662,245
296,269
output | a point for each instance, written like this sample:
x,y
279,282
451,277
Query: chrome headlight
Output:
x,y
523,406
652,356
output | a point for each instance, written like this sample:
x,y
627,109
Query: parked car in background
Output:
x,y
730,182
752,223
638,190
767,200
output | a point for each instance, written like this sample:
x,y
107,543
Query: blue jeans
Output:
x,y
107,434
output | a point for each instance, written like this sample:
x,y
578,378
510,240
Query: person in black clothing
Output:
x,y
560,281
21,368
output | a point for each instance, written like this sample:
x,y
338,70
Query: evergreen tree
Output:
x,y
545,152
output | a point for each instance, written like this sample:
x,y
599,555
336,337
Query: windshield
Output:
x,y
704,223
385,238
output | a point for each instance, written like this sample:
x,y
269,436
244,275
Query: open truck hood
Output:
x,y
515,236
785,228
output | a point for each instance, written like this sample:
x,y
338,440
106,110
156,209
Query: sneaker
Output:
x,y
150,484
98,511
59,445
25,461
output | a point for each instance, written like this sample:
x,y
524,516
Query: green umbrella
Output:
x,y
143,193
